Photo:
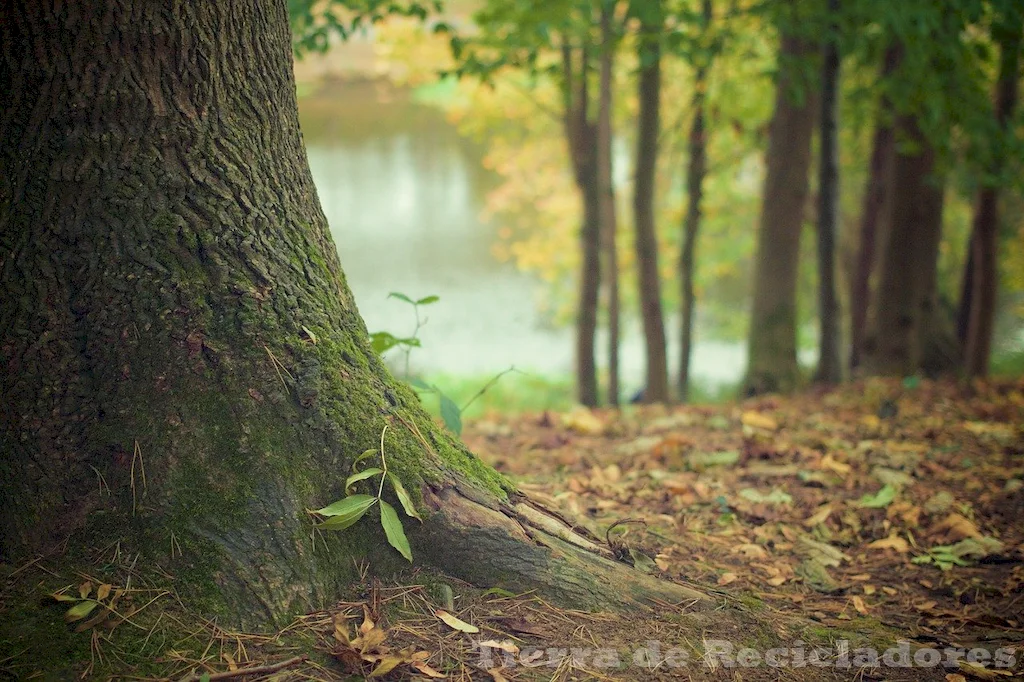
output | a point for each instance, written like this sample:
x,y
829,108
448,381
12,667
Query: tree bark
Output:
x,y
695,173
581,134
648,276
606,180
905,301
772,347
184,366
829,369
876,196
985,230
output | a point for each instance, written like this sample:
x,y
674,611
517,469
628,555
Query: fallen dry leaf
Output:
x,y
892,542
757,420
456,624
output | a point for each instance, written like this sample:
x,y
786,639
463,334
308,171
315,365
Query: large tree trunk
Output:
x,y
905,301
175,324
829,369
772,348
695,173
606,180
985,232
648,277
876,195
581,134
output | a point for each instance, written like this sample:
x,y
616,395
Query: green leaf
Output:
x,y
393,529
80,610
381,342
401,297
362,476
346,512
451,414
421,385
883,498
369,452
427,300
64,597
403,497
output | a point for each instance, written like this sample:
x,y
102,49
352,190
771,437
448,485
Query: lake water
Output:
x,y
403,194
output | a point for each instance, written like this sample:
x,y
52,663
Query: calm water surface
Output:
x,y
403,194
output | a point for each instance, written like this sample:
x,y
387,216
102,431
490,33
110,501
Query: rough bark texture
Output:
x,y
905,301
695,172
581,134
985,230
829,369
772,347
876,196
185,372
609,219
648,277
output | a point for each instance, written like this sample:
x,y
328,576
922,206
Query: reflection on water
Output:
x,y
403,195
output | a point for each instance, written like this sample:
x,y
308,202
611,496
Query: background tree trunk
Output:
x,y
905,300
985,230
606,180
829,369
772,347
695,173
176,325
872,213
581,135
648,276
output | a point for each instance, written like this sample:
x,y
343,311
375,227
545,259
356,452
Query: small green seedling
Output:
x,y
347,511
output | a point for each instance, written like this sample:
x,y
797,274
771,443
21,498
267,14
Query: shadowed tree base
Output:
x,y
185,371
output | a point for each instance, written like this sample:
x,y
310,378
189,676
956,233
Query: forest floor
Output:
x,y
880,513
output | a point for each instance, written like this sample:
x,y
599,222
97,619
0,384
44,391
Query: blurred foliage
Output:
x,y
512,106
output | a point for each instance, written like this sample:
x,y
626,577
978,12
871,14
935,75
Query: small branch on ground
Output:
x,y
241,672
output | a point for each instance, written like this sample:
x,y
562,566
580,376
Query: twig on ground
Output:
x,y
257,670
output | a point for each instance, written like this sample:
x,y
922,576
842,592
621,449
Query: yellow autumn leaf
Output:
x,y
756,420
386,665
367,623
859,604
751,551
424,669
820,516
583,421
504,645
341,629
454,623
727,577
103,591
832,464
892,542
959,527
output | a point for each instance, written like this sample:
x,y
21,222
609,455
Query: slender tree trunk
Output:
x,y
609,221
695,173
581,134
648,277
829,368
772,347
985,231
175,324
872,213
905,299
